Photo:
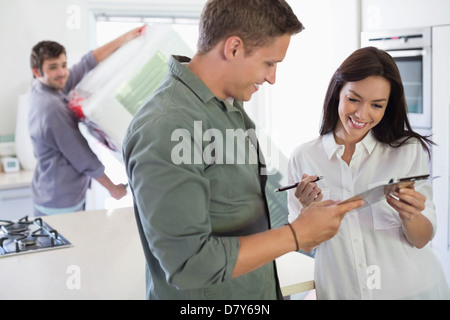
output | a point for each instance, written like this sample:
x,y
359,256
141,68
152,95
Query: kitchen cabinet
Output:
x,y
400,14
441,136
15,195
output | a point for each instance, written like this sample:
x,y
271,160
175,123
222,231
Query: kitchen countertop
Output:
x,y
295,273
14,180
106,261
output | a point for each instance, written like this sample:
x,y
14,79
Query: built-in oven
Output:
x,y
411,50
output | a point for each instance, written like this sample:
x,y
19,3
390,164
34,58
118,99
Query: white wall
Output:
x,y
441,130
399,14
296,100
23,23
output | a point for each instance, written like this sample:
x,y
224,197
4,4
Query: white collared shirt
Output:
x,y
370,257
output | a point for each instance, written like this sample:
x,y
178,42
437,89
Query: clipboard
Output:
x,y
379,193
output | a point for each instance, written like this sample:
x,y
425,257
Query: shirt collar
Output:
x,y
39,86
191,80
196,85
369,142
331,147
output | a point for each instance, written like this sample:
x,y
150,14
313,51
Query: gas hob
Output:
x,y
27,236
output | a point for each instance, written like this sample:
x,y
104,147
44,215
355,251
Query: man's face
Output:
x,y
54,72
251,71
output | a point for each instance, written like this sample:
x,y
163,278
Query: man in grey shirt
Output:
x,y
65,162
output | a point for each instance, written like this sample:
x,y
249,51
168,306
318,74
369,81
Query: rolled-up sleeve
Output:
x,y
79,71
173,203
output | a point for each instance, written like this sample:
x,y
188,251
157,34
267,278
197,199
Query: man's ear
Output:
x,y
36,73
233,47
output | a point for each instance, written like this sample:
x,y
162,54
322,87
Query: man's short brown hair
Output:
x,y
256,22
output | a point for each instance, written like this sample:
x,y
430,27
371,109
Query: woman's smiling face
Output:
x,y
362,105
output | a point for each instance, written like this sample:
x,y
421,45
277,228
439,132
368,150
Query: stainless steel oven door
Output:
x,y
415,69
411,50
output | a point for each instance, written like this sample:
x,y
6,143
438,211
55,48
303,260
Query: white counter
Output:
x,y
106,261
14,180
295,273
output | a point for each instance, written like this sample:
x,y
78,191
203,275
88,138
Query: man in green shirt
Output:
x,y
196,172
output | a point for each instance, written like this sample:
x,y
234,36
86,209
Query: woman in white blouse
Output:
x,y
380,251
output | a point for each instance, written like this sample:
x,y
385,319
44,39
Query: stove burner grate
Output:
x,y
24,236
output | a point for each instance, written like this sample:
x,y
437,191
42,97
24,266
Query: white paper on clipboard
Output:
x,y
379,193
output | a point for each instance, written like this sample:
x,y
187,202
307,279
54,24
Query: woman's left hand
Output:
x,y
410,203
417,228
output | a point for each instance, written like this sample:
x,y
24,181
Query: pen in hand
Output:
x,y
292,186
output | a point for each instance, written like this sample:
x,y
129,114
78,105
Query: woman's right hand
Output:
x,y
307,191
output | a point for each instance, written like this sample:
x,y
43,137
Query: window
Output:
x,y
110,27
106,28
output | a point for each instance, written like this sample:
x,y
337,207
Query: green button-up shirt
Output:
x,y
190,159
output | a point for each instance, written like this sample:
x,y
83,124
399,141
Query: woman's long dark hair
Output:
x,y
394,129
